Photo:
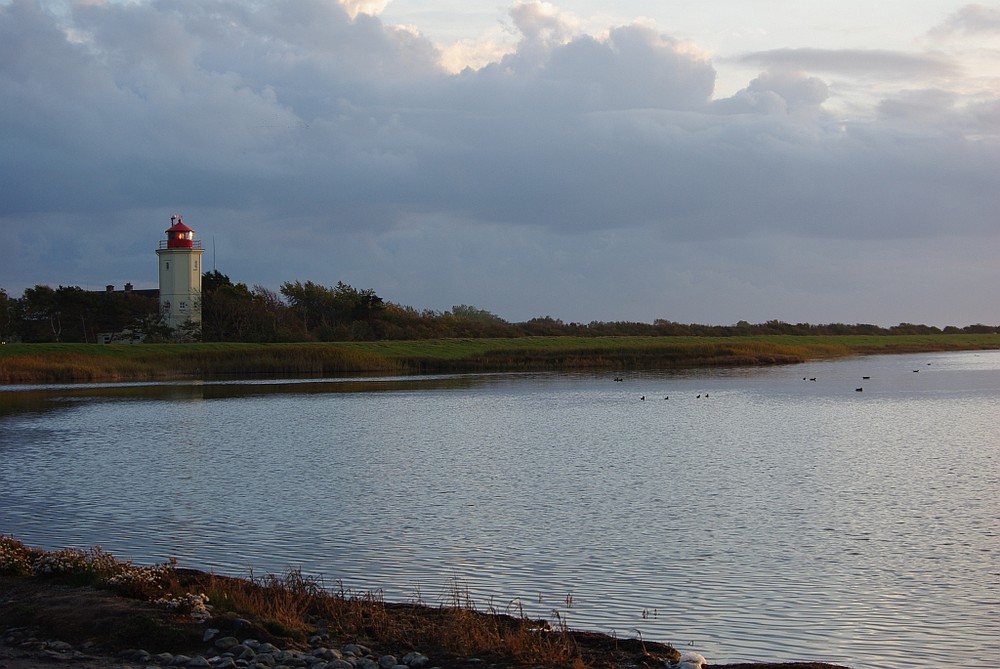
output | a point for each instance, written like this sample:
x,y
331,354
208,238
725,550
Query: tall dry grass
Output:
x,y
292,603
636,353
73,363
71,368
293,606
50,363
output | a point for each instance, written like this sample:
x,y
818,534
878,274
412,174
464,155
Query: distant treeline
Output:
x,y
72,314
309,312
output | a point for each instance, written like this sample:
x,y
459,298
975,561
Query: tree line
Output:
x,y
235,312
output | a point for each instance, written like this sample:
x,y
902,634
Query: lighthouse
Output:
x,y
180,275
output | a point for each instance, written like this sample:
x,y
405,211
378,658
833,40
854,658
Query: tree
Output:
x,y
8,316
470,313
226,310
213,280
39,313
234,312
187,332
71,314
337,313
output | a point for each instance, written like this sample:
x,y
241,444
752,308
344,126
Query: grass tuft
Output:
x,y
52,363
293,606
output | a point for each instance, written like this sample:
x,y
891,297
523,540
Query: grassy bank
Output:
x,y
52,363
173,607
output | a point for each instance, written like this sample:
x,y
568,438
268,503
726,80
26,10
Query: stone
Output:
x,y
248,655
199,661
357,650
226,642
415,660
294,659
387,662
339,664
54,655
241,652
138,655
264,660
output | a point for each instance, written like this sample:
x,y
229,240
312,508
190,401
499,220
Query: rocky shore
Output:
x,y
21,649
46,624
89,610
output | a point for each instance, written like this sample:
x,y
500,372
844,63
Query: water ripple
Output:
x,y
774,519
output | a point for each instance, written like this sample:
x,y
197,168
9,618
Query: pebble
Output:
x,y
365,663
339,664
228,652
415,660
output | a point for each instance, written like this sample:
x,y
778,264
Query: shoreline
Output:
x,y
82,363
62,607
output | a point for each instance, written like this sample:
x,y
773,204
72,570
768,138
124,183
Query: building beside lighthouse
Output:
x,y
180,275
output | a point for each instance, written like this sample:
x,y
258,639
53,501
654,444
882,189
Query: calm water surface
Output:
x,y
774,517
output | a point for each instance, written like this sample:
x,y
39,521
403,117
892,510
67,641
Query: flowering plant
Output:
x,y
189,602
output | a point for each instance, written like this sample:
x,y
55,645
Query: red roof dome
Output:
x,y
179,236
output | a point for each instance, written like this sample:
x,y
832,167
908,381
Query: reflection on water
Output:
x,y
35,396
773,517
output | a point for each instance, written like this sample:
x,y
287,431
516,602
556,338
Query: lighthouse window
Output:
x,y
168,265
182,306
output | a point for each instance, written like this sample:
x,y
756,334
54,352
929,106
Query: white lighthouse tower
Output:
x,y
180,275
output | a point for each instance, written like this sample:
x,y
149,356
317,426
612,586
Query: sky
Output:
x,y
701,162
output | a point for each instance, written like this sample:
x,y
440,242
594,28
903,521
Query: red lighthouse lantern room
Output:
x,y
179,236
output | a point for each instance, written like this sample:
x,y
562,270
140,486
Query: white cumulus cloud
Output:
x,y
586,175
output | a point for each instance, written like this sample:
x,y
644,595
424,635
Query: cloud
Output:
x,y
777,93
542,23
970,19
579,175
924,107
370,7
635,68
856,62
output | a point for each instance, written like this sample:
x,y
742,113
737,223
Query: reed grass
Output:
x,y
71,363
292,603
50,363
294,606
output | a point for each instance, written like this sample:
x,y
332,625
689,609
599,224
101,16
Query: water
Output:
x,y
773,518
